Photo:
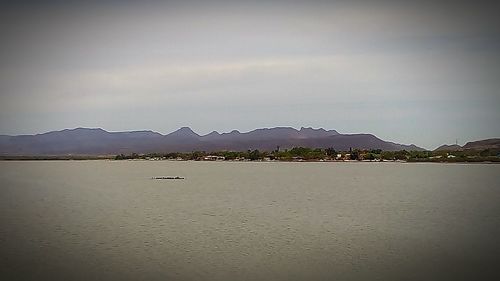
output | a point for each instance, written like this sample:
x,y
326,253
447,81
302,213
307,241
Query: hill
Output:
x,y
473,145
483,144
449,147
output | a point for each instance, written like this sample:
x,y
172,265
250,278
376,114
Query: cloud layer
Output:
x,y
424,73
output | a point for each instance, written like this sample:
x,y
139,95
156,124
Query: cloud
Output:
x,y
324,63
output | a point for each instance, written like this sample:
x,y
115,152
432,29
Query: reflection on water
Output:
x,y
87,220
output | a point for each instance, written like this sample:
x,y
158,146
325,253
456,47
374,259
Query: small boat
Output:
x,y
168,178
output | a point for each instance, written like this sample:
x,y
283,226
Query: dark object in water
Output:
x,y
168,178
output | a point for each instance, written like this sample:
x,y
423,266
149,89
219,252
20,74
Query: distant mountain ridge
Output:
x,y
473,145
449,147
483,144
96,141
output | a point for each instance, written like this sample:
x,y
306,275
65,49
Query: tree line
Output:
x,y
328,154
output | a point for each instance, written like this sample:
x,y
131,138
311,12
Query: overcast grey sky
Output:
x,y
424,73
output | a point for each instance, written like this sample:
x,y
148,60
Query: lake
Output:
x,y
109,220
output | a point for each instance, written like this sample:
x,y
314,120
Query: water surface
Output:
x,y
108,220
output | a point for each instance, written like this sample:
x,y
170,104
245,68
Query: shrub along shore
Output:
x,y
296,154
329,154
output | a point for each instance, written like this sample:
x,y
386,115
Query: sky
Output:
x,y
422,72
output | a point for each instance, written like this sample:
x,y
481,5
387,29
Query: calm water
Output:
x,y
104,220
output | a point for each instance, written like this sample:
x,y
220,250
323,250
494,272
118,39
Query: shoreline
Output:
x,y
104,158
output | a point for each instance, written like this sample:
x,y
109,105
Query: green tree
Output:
x,y
254,155
330,151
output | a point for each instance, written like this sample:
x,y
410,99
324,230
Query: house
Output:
x,y
214,158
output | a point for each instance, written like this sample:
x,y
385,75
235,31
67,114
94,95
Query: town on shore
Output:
x,y
302,154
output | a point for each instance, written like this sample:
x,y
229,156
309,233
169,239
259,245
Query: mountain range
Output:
x,y
96,141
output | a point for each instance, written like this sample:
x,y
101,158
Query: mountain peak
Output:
x,y
75,131
83,129
184,132
310,132
449,147
213,133
312,129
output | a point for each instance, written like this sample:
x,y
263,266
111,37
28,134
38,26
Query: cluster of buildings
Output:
x,y
214,158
